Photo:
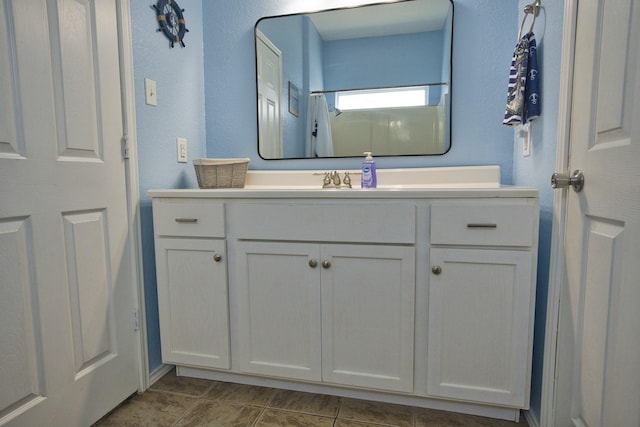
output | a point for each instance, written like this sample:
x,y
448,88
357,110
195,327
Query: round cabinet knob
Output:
x,y
326,264
313,263
436,269
217,257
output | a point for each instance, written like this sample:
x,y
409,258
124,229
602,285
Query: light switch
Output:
x,y
151,96
182,149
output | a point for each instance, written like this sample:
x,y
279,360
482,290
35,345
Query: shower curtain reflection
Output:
x,y
318,133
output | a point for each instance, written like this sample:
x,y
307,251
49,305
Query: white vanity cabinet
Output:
x,y
420,297
339,313
192,282
481,300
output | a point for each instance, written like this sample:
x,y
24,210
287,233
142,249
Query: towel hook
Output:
x,y
530,9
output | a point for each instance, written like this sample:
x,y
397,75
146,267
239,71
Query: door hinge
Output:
x,y
125,146
136,322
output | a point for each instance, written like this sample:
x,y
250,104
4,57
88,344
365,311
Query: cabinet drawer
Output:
x,y
188,217
486,224
349,222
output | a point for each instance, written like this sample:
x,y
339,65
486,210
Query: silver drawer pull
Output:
x,y
186,220
482,226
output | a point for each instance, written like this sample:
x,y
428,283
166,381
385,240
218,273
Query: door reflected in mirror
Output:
x,y
371,78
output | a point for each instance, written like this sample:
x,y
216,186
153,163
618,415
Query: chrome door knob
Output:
x,y
436,269
576,180
217,257
313,263
326,264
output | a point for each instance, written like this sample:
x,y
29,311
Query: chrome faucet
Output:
x,y
326,182
347,180
335,177
332,180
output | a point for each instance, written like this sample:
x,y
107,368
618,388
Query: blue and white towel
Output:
x,y
523,97
532,93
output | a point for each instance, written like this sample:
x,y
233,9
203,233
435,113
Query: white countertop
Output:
x,y
378,193
446,182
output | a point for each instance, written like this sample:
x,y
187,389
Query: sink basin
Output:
x,y
388,179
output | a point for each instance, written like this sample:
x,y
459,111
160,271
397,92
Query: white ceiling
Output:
x,y
381,19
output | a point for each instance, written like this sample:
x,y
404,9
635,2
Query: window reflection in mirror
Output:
x,y
378,55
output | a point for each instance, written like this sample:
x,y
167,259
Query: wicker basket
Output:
x,y
221,173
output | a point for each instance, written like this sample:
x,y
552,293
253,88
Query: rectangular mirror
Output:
x,y
340,82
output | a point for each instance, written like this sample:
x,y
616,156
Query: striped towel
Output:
x,y
523,97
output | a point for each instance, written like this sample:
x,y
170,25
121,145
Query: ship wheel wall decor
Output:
x,y
171,21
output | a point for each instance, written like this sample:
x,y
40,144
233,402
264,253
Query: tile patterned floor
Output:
x,y
180,401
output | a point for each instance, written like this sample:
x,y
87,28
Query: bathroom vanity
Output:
x,y
421,292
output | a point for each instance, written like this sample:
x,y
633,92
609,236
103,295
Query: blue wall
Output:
x,y
369,62
536,170
179,76
383,61
314,63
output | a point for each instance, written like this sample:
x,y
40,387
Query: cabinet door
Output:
x,y
368,295
192,302
278,309
480,309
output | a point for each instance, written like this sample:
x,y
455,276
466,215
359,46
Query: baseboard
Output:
x,y
510,414
531,419
159,373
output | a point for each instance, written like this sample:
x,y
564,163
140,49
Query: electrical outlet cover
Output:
x,y
523,136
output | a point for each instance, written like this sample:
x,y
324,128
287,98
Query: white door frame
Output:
x,y
132,182
557,268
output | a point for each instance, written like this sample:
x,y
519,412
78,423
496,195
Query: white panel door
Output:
x,y
368,298
68,350
269,73
598,360
278,302
479,325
